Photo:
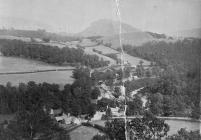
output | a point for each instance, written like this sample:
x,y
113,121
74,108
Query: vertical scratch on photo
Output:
x,y
122,62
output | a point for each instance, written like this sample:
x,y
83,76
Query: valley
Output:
x,y
94,88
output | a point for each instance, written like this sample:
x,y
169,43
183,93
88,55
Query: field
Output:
x,y
89,50
133,60
60,45
83,133
13,64
104,49
99,122
87,43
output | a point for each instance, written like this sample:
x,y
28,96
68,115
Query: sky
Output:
x,y
71,16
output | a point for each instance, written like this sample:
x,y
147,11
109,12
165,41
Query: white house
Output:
x,y
98,115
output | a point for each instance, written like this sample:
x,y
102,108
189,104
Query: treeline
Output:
x,y
40,33
146,128
31,104
184,54
176,92
74,99
49,54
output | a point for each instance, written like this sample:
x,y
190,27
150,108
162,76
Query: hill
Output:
x,y
106,27
109,30
133,38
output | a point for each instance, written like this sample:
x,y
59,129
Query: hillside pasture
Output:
x,y
133,60
105,50
87,43
89,50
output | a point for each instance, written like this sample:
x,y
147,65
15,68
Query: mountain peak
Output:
x,y
107,27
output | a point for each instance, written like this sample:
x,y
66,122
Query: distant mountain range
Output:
x,y
106,29
23,24
196,32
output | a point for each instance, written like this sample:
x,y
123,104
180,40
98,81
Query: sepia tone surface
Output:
x,y
100,69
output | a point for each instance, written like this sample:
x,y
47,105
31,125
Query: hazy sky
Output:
x,y
74,15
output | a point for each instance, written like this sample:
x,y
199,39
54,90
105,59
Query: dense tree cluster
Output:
x,y
104,103
136,84
74,99
174,96
183,134
170,53
49,54
108,77
146,128
176,91
135,107
29,102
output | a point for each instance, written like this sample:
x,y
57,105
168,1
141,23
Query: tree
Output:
x,y
108,113
46,39
117,92
135,106
183,134
95,93
81,72
76,109
50,54
140,71
167,106
148,73
155,103
91,110
115,129
104,102
146,128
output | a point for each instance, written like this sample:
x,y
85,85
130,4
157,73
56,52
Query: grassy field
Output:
x,y
89,50
133,60
104,49
99,122
83,133
60,45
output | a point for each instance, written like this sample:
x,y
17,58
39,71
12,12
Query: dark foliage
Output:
x,y
179,83
49,54
146,128
183,134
